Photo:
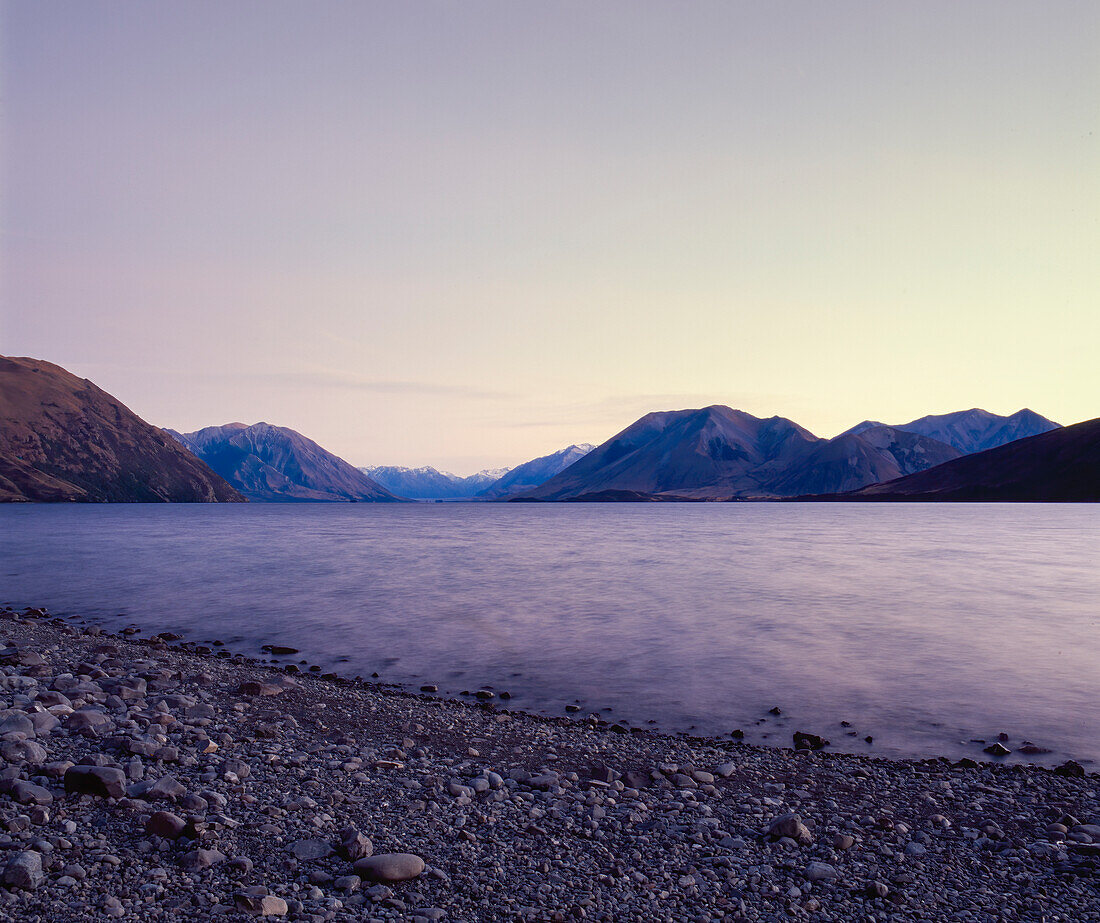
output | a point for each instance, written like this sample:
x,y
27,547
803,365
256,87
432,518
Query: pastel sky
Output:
x,y
469,233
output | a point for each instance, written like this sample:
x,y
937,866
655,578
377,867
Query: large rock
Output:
x,y
43,722
791,827
198,859
310,849
29,793
389,867
254,688
166,788
354,845
89,722
805,741
165,824
19,725
24,870
821,871
23,751
266,906
102,781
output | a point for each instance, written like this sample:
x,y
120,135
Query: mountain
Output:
x,y
273,463
864,426
432,484
973,430
720,453
854,460
486,477
63,438
1061,465
491,484
712,452
535,472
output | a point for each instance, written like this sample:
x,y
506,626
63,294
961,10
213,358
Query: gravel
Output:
x,y
169,784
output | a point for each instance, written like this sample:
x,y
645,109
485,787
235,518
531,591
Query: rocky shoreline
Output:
x,y
142,780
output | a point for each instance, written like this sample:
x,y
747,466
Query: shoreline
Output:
x,y
277,657
516,815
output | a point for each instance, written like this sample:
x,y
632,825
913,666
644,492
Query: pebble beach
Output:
x,y
146,779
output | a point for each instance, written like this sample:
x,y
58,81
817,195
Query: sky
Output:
x,y
466,234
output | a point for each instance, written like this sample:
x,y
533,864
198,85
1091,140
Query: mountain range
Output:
x,y
490,484
273,463
432,484
62,438
1061,465
535,472
718,453
973,430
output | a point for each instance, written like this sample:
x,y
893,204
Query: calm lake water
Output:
x,y
922,625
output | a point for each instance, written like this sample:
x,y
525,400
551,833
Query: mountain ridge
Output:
x,y
429,483
1060,465
277,464
717,452
535,472
973,430
63,438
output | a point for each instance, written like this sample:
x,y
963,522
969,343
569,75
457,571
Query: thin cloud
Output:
x,y
377,386
318,379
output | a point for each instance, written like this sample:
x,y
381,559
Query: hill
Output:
x,y
710,452
973,430
850,461
63,438
277,464
535,472
719,453
1062,465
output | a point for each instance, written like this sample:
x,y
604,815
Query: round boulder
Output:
x,y
389,867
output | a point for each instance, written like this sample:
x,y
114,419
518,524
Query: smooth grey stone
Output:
x,y
390,867
821,871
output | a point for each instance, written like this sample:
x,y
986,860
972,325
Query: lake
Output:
x,y
925,626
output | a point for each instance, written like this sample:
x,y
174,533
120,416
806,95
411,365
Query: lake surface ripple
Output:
x,y
924,626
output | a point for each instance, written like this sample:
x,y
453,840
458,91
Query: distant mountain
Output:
x,y
1061,465
432,484
712,452
866,425
535,472
721,453
850,461
486,477
276,464
974,430
62,438
491,484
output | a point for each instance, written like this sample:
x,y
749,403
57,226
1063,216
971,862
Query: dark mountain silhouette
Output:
x,y
1062,465
273,463
973,430
535,472
721,453
63,438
